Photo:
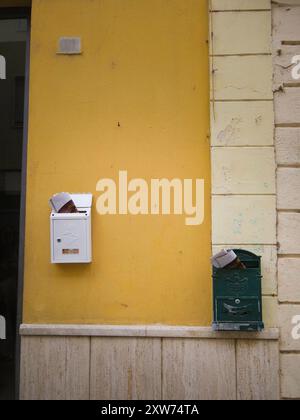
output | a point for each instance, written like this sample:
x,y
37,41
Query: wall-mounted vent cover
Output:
x,y
69,46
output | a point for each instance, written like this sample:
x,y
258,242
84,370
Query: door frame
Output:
x,y
21,13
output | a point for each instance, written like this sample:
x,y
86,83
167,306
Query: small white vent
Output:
x,y
69,46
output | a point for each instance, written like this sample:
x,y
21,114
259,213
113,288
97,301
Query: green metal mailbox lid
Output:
x,y
239,282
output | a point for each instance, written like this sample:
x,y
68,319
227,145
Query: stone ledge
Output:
x,y
154,331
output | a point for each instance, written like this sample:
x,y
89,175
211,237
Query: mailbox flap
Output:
x,y
246,255
238,310
82,201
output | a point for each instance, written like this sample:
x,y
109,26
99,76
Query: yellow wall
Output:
x,y
144,67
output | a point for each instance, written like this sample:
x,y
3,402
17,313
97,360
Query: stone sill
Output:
x,y
154,331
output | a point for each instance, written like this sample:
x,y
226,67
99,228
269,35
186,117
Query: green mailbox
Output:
x,y
237,295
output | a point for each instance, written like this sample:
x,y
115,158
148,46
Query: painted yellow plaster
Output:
x,y
137,99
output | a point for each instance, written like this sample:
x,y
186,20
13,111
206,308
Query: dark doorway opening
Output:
x,y
14,27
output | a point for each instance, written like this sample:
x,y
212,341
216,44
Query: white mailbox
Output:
x,y
71,234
